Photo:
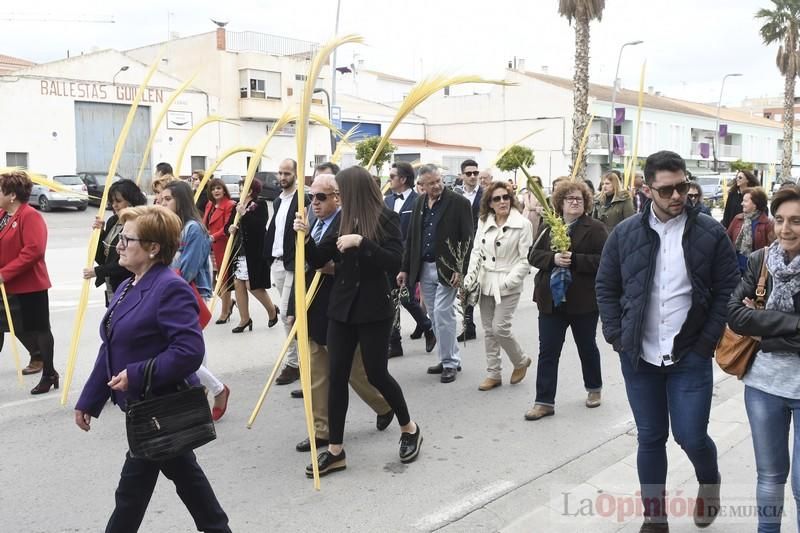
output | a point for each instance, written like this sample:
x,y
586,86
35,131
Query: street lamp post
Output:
x,y
613,103
715,139
328,97
123,68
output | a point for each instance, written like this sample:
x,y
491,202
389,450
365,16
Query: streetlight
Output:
x,y
328,96
716,126
123,68
613,103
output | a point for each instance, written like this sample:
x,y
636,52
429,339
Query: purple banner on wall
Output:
x,y
705,150
619,144
723,130
619,116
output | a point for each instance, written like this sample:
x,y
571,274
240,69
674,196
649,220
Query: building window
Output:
x,y
319,159
300,83
261,84
17,159
198,162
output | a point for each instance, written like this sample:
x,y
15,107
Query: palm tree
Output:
x,y
781,25
583,11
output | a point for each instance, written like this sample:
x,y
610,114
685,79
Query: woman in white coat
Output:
x,y
498,266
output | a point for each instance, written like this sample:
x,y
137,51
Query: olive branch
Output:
x,y
460,253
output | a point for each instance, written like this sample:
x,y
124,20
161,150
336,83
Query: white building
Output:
x,y
70,112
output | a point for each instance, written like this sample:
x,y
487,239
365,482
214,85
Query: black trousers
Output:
x,y
136,484
374,339
420,317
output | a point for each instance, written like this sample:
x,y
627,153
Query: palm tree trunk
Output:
x,y
581,89
788,126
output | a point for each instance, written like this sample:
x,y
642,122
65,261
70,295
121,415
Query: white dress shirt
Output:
x,y
670,292
280,223
470,195
399,202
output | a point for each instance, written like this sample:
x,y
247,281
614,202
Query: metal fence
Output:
x,y
251,41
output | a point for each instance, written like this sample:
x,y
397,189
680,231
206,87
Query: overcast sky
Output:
x,y
689,45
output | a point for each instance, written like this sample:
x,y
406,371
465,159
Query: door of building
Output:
x,y
97,126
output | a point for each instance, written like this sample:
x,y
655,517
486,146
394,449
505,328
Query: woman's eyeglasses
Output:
x,y
693,196
501,198
124,240
574,199
667,191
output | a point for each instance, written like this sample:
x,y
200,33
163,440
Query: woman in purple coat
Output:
x,y
152,315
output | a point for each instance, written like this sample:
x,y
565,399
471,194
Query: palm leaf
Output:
x,y
576,166
419,93
208,120
344,141
503,152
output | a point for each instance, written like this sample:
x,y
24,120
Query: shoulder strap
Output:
x,y
761,288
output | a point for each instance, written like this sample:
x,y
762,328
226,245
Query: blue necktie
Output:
x,y
317,235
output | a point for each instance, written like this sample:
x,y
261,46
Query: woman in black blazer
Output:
x,y
123,193
367,248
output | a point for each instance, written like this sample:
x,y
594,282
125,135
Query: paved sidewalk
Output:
x,y
577,498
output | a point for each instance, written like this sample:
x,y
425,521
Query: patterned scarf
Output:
x,y
785,279
744,241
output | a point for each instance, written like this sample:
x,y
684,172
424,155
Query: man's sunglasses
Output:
x,y
693,196
321,196
471,173
667,191
503,198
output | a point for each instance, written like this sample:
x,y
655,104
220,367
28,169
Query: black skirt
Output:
x,y
29,311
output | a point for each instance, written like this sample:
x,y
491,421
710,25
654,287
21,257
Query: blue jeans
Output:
x,y
770,417
679,394
552,332
441,303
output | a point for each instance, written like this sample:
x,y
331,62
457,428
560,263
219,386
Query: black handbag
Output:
x,y
163,427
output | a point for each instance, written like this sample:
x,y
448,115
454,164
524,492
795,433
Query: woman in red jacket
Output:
x,y
752,229
23,240
217,218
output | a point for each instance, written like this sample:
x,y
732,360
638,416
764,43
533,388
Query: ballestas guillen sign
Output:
x,y
99,91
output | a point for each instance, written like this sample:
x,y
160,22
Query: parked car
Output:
x,y
232,182
712,186
47,199
270,189
95,185
450,180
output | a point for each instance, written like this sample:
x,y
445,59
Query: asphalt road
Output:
x,y
477,447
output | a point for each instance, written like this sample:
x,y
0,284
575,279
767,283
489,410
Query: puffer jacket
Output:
x,y
626,275
505,255
778,329
620,208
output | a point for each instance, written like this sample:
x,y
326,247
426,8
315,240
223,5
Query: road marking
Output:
x,y
476,499
29,400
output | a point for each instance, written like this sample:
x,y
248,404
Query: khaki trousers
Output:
x,y
496,319
320,382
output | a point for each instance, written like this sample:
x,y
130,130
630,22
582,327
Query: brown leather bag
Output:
x,y
735,352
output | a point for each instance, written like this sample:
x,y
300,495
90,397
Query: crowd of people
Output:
x,y
661,275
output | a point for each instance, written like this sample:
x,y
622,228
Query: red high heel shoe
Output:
x,y
45,383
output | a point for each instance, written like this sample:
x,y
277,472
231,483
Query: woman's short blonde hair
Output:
x,y
156,225
566,187
159,183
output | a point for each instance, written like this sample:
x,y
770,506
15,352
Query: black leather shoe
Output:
x,y
448,375
297,393
707,504
430,340
417,334
328,463
410,443
395,350
437,369
305,444
649,526
382,421
466,335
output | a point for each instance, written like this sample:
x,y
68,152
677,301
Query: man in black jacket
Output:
x,y
324,220
401,199
473,192
663,285
441,228
279,245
